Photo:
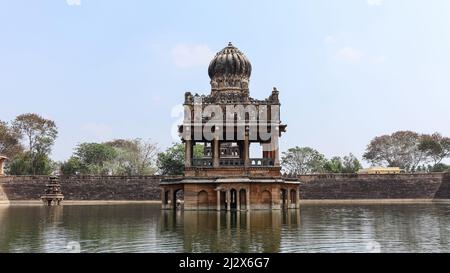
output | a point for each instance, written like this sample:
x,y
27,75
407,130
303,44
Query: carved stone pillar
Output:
x,y
238,200
172,199
288,199
188,154
163,198
216,152
276,150
246,151
218,200
247,201
228,197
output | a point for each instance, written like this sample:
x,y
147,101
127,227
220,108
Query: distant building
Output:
x,y
2,162
381,170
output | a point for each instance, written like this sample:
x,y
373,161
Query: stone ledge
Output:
x,y
237,179
372,201
82,202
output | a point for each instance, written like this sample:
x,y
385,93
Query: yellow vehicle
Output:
x,y
380,170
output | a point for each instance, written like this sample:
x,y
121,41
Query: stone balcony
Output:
x,y
233,167
233,162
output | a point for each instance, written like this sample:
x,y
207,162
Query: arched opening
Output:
x,y
243,199
266,200
233,199
223,200
202,200
293,197
178,197
283,198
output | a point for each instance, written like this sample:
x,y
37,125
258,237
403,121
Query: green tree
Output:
x,y
95,153
134,157
440,167
39,135
94,158
19,165
400,149
199,151
73,166
334,165
9,141
171,161
25,164
436,148
303,160
117,157
351,164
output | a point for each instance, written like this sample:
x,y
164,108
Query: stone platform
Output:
x,y
230,193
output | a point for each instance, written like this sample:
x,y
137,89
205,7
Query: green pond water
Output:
x,y
145,228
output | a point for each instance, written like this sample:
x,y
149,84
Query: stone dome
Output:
x,y
230,69
230,62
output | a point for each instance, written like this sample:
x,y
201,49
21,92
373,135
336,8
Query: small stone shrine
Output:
x,y
53,195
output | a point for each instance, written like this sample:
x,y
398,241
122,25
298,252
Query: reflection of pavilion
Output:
x,y
226,123
53,215
206,231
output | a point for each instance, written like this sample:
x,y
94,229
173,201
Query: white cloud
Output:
x,y
349,54
375,2
73,2
98,131
184,55
330,39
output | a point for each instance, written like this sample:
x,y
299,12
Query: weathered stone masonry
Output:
x,y
83,187
312,187
385,186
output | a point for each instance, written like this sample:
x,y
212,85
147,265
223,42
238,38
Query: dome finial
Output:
x,y
230,69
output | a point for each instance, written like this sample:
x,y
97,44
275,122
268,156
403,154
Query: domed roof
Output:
x,y
230,63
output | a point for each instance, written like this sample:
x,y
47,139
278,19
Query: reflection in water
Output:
x,y
257,231
145,228
206,231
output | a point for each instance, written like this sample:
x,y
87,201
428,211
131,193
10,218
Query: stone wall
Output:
x,y
3,196
382,186
312,187
83,187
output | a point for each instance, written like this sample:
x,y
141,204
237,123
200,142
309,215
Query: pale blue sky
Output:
x,y
346,70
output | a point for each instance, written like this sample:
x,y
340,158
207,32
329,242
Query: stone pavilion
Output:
x,y
227,122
